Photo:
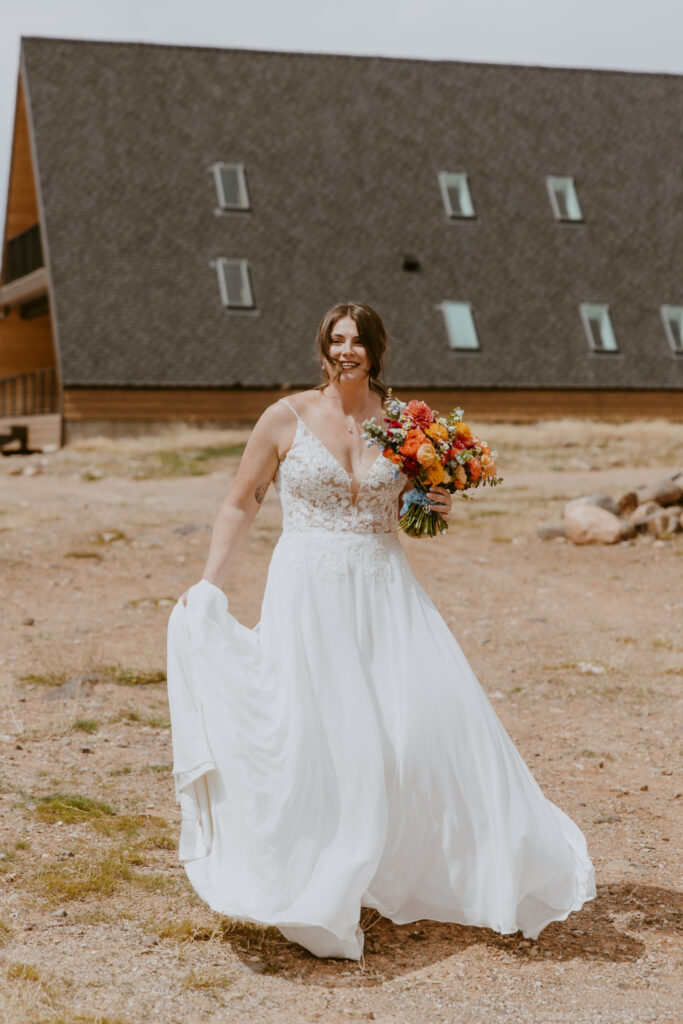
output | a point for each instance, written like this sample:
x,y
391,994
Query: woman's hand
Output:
x,y
441,499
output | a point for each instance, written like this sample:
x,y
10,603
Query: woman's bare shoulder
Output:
x,y
299,401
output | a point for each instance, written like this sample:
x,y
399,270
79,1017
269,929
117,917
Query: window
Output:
x,y
462,333
234,283
456,194
673,325
563,198
231,186
598,325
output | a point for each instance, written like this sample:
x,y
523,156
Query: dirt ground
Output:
x,y
579,648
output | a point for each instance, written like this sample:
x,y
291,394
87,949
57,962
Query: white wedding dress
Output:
x,y
342,753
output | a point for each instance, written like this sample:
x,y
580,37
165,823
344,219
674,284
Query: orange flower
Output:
x,y
474,466
414,438
435,474
419,413
460,478
488,464
394,456
437,432
462,430
425,454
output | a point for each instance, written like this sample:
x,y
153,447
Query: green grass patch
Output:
x,y
133,677
71,808
188,462
89,725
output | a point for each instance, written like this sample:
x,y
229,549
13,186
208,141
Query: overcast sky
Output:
x,y
632,35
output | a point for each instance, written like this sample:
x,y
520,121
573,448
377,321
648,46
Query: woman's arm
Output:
x,y
256,470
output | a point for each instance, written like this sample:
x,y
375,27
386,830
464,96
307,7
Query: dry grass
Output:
x,y
555,443
93,874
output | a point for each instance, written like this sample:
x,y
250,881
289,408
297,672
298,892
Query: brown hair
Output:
x,y
371,332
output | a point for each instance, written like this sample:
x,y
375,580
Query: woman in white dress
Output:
x,y
342,753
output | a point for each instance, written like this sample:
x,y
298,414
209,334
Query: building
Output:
x,y
179,218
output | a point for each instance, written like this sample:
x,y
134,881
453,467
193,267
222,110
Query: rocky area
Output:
x,y
579,648
653,508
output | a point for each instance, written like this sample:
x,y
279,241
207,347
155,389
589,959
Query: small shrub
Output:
x,y
22,972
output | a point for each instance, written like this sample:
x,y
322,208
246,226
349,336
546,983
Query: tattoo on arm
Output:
x,y
260,492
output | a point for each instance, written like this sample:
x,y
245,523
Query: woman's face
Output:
x,y
348,350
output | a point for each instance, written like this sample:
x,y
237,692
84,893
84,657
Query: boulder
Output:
x,y
628,502
668,491
663,522
644,512
600,500
551,532
589,524
628,530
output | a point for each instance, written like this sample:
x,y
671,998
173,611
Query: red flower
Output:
x,y
411,467
419,413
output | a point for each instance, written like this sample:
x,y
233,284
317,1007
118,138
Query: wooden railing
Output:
x,y
24,254
29,394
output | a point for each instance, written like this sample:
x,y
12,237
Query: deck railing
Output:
x,y
29,394
24,254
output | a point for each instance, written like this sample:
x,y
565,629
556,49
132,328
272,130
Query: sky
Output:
x,y
629,35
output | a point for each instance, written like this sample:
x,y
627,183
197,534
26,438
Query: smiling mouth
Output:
x,y
348,366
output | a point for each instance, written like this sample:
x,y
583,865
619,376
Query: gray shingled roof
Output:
x,y
342,156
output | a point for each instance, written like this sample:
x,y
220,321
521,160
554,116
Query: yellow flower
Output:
x,y
437,432
435,474
462,430
426,454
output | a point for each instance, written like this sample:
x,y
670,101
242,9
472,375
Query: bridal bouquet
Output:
x,y
430,450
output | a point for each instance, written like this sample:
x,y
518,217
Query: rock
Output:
x,y
550,532
590,524
32,470
150,941
86,750
628,502
668,491
600,500
60,913
662,523
28,621
643,512
680,520
628,530
608,819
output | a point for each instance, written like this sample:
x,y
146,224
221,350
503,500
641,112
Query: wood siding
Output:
x,y
22,198
245,406
25,344
43,431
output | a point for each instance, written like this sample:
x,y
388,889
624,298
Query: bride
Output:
x,y
342,754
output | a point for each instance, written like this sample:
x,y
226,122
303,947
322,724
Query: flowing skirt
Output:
x,y
343,754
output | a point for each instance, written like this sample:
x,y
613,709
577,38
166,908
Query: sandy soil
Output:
x,y
580,650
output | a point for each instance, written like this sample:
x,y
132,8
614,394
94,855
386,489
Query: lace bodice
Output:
x,y
315,490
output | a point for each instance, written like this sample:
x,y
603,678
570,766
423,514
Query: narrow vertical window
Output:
x,y
234,283
462,334
455,193
563,198
598,327
673,325
231,186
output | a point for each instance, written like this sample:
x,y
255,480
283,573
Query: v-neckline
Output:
x,y
350,478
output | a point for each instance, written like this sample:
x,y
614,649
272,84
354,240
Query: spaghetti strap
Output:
x,y
290,407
